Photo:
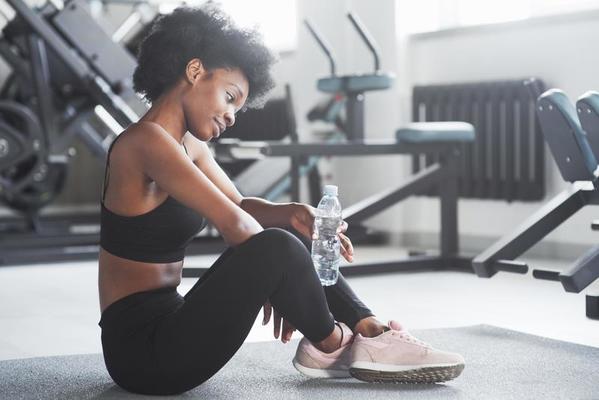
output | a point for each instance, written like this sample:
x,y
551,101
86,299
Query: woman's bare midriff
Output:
x,y
119,277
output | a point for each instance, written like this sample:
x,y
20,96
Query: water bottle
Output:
x,y
326,248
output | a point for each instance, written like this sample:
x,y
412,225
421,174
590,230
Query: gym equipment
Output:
x,y
69,78
348,91
63,67
444,140
443,152
574,153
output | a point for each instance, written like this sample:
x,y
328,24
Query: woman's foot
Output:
x,y
317,363
334,341
370,327
398,357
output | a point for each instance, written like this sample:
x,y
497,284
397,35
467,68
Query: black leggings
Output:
x,y
157,342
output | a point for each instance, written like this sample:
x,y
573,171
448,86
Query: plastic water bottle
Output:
x,y
326,248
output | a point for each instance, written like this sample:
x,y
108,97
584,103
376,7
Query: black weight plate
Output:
x,y
39,193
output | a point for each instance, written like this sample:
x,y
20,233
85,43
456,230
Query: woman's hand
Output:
x,y
302,220
288,328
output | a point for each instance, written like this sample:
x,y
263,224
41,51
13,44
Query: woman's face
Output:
x,y
212,100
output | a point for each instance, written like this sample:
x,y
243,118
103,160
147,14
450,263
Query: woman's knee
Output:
x,y
281,249
277,240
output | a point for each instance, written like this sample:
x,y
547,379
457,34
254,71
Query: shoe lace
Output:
x,y
405,336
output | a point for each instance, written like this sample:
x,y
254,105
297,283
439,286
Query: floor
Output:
x,y
52,309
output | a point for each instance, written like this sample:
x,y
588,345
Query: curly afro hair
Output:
x,y
208,34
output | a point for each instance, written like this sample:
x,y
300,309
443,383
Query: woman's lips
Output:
x,y
221,127
217,129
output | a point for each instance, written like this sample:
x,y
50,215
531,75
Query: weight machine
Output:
x,y
575,149
70,79
346,109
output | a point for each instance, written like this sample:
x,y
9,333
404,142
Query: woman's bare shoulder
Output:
x,y
142,138
196,148
143,131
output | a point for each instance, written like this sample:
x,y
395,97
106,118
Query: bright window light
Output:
x,y
276,19
475,12
551,7
419,16
415,16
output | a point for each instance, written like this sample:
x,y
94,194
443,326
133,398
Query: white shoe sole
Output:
x,y
385,373
320,373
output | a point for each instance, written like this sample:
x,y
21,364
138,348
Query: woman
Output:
x,y
162,184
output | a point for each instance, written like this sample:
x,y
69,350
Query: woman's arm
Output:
x,y
162,160
268,214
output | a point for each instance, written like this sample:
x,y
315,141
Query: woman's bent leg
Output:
x,y
194,342
344,304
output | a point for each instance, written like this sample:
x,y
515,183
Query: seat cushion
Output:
x,y
559,137
450,131
588,114
356,83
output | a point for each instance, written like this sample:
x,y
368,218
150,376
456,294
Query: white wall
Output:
x,y
561,51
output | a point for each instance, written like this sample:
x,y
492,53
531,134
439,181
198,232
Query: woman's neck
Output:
x,y
167,112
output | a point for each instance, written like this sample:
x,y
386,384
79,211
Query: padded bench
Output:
x,y
356,83
426,132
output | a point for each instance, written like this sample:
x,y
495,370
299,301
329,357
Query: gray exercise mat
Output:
x,y
500,364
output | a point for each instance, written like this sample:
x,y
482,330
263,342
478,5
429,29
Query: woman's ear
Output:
x,y
194,70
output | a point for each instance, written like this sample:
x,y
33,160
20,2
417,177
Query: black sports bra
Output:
x,y
157,236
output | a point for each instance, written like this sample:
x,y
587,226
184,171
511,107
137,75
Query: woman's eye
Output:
x,y
230,97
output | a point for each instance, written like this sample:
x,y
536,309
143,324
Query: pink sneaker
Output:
x,y
397,357
314,363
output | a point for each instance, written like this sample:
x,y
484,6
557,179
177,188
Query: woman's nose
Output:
x,y
229,118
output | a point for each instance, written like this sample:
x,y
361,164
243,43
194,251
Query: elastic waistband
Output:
x,y
140,308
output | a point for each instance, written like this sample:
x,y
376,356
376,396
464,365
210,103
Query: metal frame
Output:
x,y
500,256
99,88
55,31
572,154
77,238
354,105
441,174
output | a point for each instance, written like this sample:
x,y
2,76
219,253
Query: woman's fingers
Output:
x,y
267,311
281,327
343,227
277,321
347,249
288,330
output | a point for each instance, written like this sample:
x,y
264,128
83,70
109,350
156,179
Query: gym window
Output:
x,y
276,19
437,15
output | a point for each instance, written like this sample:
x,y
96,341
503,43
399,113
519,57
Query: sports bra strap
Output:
x,y
106,169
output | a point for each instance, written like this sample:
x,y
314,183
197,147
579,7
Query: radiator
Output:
x,y
506,161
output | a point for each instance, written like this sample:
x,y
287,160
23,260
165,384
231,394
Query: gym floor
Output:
x,y
53,309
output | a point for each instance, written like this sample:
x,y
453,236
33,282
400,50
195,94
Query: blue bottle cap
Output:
x,y
330,190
